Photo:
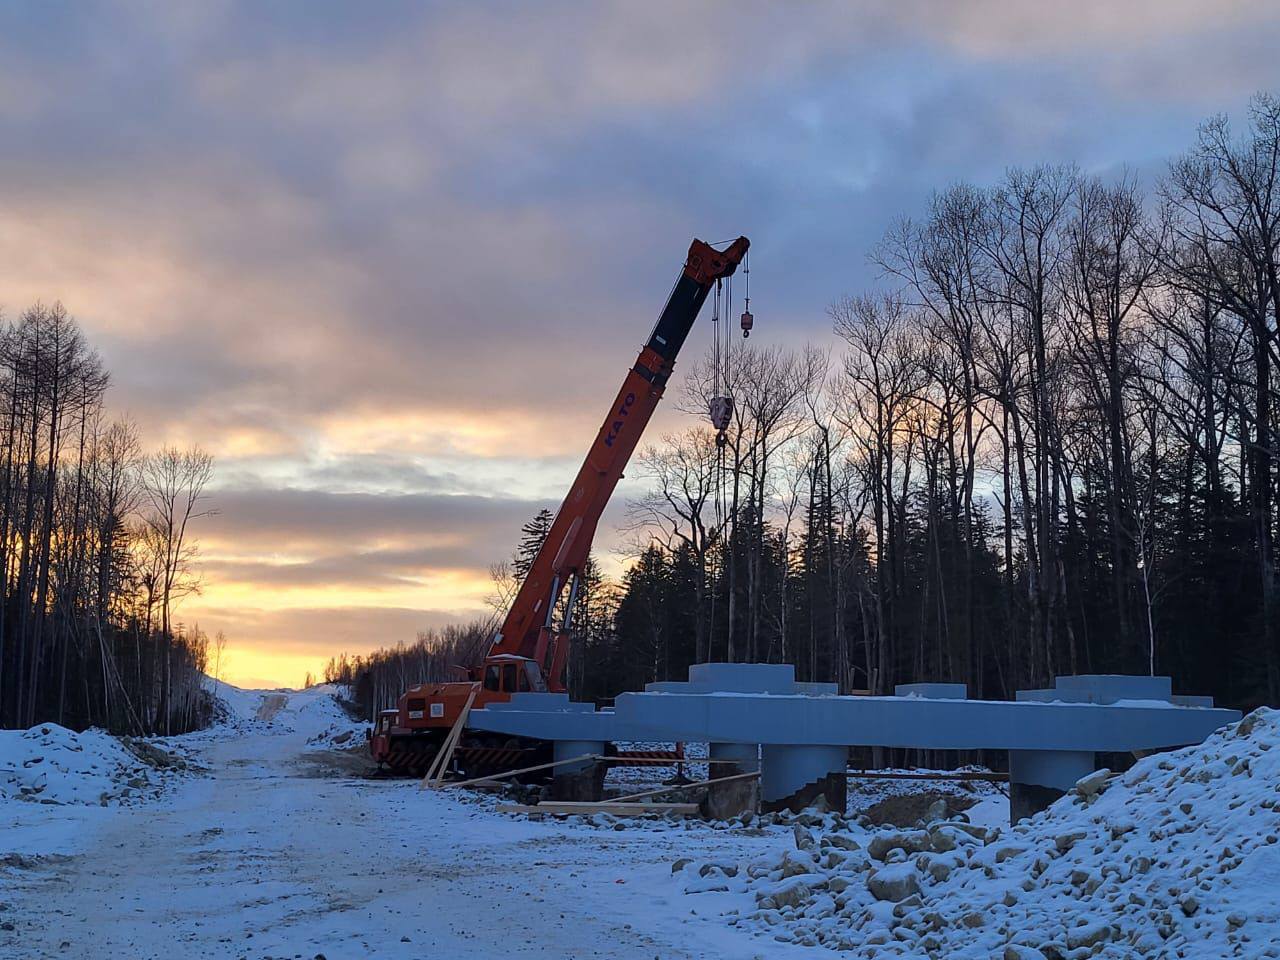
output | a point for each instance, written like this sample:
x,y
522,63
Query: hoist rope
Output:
x,y
715,340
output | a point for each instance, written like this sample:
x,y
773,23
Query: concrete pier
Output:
x,y
1039,777
578,781
725,800
795,777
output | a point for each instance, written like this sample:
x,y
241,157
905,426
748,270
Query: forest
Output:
x,y
97,547
1044,444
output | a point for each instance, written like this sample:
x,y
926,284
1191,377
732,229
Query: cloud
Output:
x,y
288,521
390,263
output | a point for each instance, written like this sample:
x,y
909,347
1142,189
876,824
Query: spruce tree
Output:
x,y
532,534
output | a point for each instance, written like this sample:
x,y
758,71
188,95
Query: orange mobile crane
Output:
x,y
531,649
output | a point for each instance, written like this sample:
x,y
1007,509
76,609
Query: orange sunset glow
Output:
x,y
389,270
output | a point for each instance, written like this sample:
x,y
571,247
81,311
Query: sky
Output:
x,y
389,262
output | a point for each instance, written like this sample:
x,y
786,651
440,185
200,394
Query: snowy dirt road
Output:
x,y
261,857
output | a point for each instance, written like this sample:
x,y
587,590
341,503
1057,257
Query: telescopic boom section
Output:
x,y
530,629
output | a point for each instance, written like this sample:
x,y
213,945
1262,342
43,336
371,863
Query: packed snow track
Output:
x,y
272,851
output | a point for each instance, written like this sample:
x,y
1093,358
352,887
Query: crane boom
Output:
x,y
529,629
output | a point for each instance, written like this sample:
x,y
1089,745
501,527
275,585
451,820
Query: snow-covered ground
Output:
x,y
261,857
267,845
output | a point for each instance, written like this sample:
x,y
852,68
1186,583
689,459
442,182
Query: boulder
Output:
x,y
792,893
894,883
1093,783
909,841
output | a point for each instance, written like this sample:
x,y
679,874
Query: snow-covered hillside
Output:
x,y
50,764
314,711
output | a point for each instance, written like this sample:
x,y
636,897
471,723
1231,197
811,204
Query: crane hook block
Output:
x,y
721,412
747,321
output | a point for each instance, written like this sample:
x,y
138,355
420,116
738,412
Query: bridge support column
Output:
x,y
1039,777
578,781
725,800
796,777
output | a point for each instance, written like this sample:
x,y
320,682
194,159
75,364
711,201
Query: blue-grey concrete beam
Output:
x,y
915,722
549,716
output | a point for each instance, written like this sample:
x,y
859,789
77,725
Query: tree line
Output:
x,y
96,546
1045,444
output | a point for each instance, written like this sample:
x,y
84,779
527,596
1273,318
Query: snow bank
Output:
x,y
319,714
1177,857
232,704
314,712
51,764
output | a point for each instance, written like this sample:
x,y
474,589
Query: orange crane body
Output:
x,y
530,650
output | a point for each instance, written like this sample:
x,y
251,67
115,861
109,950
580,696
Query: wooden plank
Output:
x,y
455,735
685,786
961,776
441,762
489,778
672,763
585,809
641,805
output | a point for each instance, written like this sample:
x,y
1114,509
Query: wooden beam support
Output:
x,y
493,777
441,762
961,776
568,808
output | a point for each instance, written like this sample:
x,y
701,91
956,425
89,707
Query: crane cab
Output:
x,y
508,674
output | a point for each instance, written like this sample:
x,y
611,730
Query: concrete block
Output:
x,y
1108,688
582,781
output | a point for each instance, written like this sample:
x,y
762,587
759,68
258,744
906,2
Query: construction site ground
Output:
x,y
272,844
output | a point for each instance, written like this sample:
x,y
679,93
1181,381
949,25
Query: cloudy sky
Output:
x,y
390,261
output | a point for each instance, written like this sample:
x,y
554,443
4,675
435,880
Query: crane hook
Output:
x,y
721,410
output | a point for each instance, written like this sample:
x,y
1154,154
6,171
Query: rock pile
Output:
x,y
51,764
1178,857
